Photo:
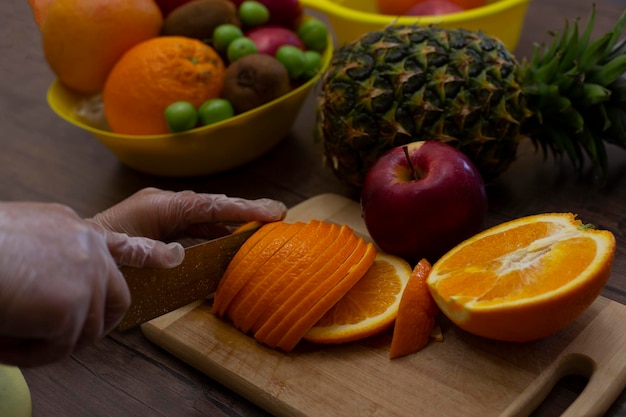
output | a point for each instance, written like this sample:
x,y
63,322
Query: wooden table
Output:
x,y
44,158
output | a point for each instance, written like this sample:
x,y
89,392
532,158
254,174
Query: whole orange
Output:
x,y
156,73
83,39
40,10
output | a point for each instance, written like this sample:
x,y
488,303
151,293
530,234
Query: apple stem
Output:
x,y
414,173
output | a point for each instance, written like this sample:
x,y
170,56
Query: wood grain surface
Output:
x,y
43,158
462,376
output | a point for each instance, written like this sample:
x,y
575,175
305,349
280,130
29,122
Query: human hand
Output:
x,y
60,286
168,215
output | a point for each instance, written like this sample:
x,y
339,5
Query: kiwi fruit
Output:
x,y
199,18
254,80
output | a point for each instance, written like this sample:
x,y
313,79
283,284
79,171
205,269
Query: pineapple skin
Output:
x,y
408,83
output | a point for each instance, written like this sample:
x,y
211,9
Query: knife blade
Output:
x,y
157,291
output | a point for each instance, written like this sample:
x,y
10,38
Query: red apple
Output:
x,y
422,199
434,8
269,38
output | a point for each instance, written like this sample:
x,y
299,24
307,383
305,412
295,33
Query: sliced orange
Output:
x,y
238,271
329,259
296,332
416,314
291,254
317,297
247,226
525,279
271,293
370,307
239,255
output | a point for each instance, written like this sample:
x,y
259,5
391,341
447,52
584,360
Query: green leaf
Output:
x,y
558,44
584,39
571,52
596,51
606,122
546,93
547,72
574,119
594,94
599,155
617,30
562,104
609,72
564,143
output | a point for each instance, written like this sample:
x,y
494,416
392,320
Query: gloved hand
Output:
x,y
168,215
60,287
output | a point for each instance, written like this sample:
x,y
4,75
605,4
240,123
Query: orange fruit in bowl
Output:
x,y
524,279
156,73
40,10
369,308
83,39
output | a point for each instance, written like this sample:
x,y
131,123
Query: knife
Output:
x,y
156,291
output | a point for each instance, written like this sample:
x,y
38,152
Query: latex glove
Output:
x,y
168,215
60,286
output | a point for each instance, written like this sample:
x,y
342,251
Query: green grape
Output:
x,y
240,47
224,34
253,13
293,59
312,64
314,34
181,116
215,110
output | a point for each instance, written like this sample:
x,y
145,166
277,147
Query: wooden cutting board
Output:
x,y
462,376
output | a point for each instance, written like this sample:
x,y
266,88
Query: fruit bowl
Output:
x,y
350,19
201,151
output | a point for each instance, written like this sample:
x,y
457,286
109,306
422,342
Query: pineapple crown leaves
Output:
x,y
576,88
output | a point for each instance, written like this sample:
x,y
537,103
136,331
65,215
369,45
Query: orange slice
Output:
x,y
239,270
289,255
297,331
416,314
271,293
370,307
247,226
242,253
329,259
525,279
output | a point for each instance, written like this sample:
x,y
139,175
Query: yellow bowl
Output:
x,y
202,151
350,19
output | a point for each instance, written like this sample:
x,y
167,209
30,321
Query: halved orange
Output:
x,y
524,279
370,307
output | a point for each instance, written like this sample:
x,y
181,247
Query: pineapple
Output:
x,y
464,88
